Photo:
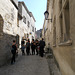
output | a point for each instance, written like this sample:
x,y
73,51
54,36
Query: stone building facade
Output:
x,y
8,28
14,25
27,23
60,33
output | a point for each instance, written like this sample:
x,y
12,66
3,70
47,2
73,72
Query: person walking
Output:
x,y
13,51
23,47
37,45
42,45
28,47
33,47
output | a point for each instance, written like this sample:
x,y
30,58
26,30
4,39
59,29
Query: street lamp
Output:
x,y
46,13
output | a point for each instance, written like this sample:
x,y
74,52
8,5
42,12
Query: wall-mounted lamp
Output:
x,y
46,13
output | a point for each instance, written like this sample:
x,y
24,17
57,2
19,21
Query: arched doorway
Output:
x,y
1,26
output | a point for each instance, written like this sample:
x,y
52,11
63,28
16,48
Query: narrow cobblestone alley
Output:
x,y
26,65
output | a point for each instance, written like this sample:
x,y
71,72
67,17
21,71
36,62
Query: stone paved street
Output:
x,y
27,65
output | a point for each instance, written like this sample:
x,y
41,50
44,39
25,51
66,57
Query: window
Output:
x,y
67,22
61,27
54,32
27,35
18,22
32,28
17,40
64,20
1,26
60,5
24,19
28,24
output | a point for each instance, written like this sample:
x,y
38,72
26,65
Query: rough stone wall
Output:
x,y
8,29
9,14
5,48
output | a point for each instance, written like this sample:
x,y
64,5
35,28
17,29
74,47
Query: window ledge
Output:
x,y
67,43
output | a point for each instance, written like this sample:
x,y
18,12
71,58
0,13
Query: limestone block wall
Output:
x,y
72,31
27,21
9,14
5,48
64,51
8,29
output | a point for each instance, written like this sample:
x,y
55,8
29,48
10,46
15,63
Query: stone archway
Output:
x,y
1,26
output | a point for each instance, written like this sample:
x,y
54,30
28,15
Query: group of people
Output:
x,y
35,47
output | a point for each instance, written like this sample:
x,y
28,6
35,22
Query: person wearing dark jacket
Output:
x,y
33,47
42,45
13,51
28,47
37,45
23,47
